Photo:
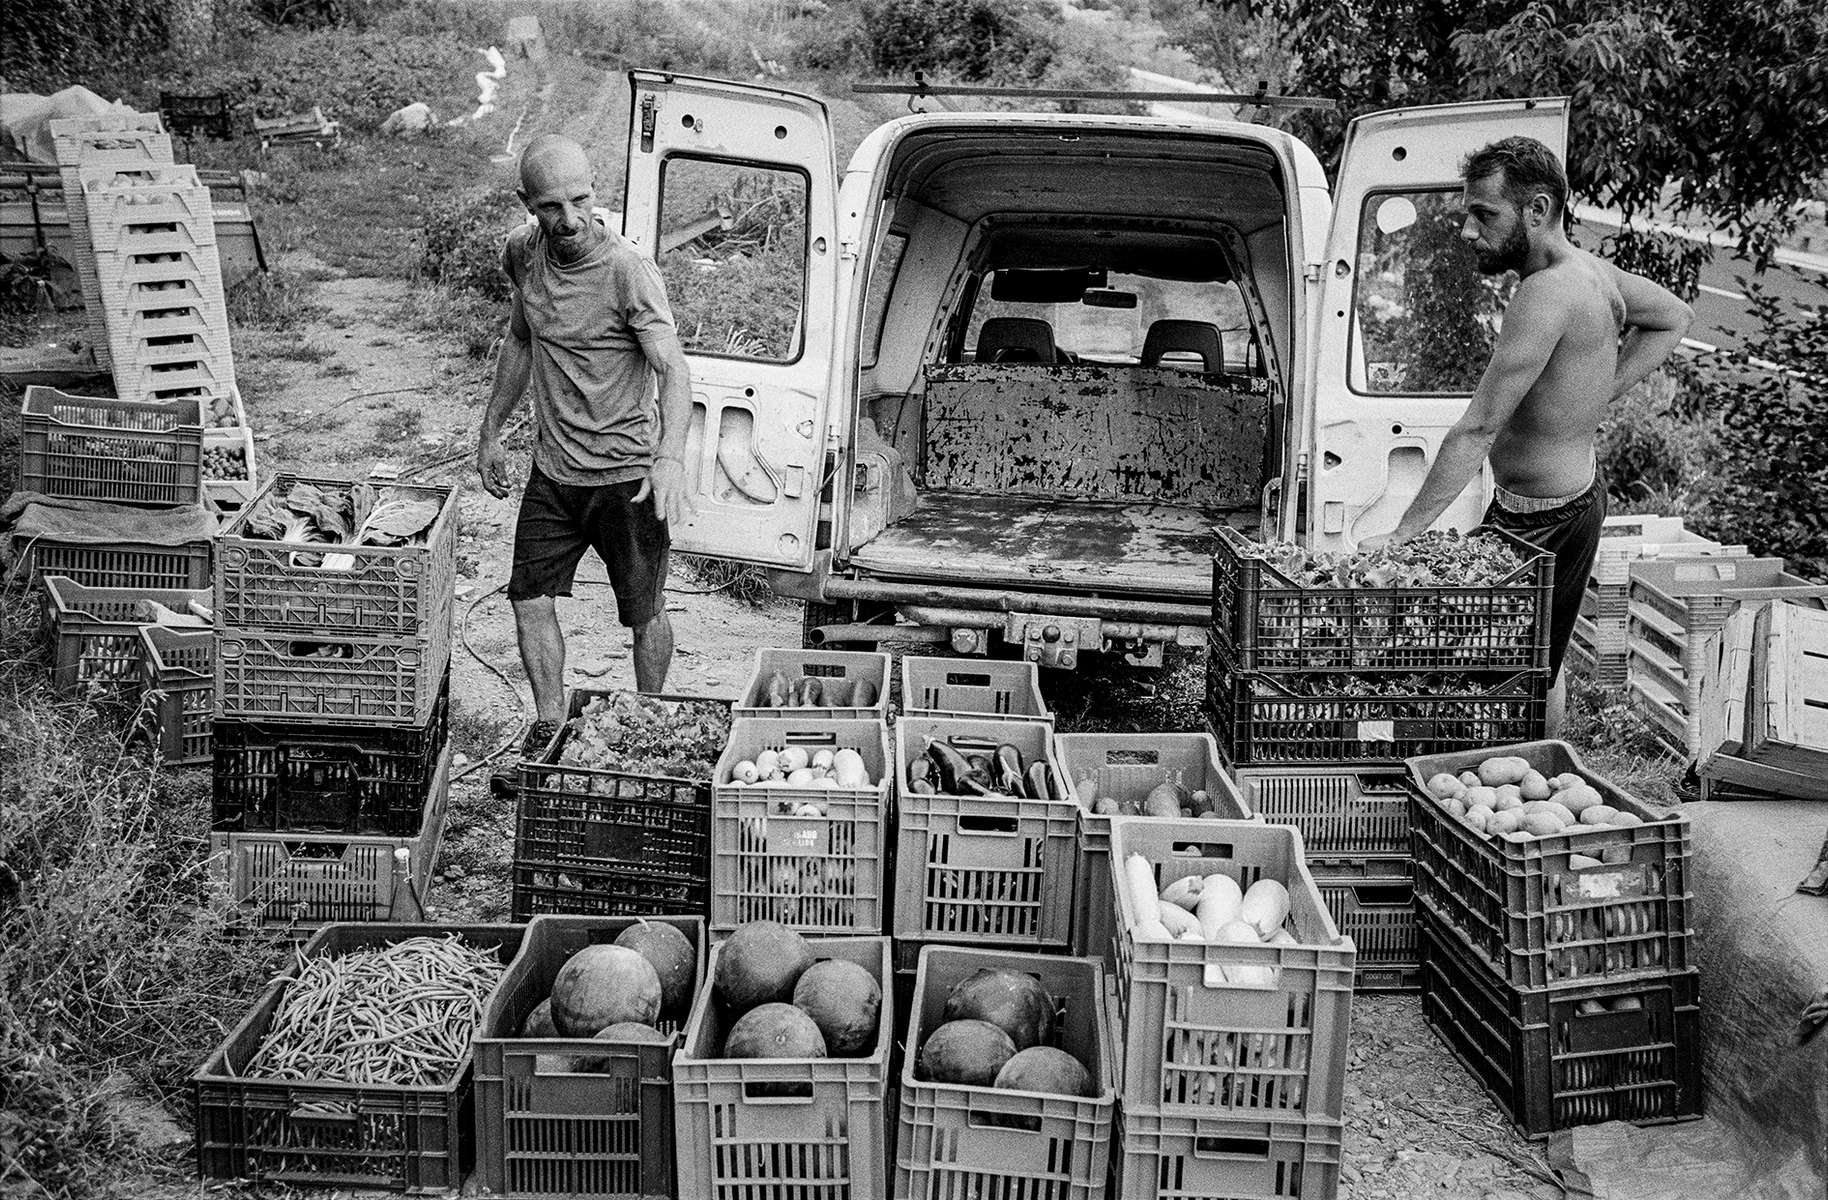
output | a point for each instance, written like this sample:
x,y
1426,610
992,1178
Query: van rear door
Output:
x,y
732,189
1405,323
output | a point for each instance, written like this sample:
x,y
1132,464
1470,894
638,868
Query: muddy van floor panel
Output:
x,y
967,538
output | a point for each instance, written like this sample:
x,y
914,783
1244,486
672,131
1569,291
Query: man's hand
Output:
x,y
492,465
666,483
1378,541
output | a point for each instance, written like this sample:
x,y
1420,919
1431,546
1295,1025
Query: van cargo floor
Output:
x,y
965,538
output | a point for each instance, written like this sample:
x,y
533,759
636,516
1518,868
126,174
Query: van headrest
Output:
x,y
1171,336
1016,339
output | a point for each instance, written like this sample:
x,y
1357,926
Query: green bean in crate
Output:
x,y
95,633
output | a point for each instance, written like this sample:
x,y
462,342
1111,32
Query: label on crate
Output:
x,y
1615,885
799,835
1377,731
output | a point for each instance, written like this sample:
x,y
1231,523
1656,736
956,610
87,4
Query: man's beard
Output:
x,y
1509,256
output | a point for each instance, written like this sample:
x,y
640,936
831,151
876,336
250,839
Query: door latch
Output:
x,y
649,106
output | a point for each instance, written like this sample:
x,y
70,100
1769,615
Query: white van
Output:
x,y
1003,378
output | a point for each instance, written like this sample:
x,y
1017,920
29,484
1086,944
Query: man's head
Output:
x,y
558,187
1516,192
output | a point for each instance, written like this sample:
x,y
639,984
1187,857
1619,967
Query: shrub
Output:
x,y
463,241
1658,456
1003,40
51,44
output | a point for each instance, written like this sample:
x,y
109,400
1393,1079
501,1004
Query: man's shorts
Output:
x,y
558,522
1571,532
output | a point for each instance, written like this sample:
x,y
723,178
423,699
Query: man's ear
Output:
x,y
1540,209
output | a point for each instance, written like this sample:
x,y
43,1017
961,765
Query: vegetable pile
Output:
x,y
224,462
1169,798
812,691
402,1015
796,767
777,1000
1434,559
632,990
996,1030
965,766
1508,798
643,735
359,515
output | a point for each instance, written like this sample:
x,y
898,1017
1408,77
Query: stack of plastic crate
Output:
x,y
1559,967
331,696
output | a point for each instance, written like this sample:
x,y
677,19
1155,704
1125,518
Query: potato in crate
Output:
x,y
822,683
780,1086
574,1058
1235,985
800,825
1009,1086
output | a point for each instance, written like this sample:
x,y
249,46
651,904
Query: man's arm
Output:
x,y
666,480
1533,323
1655,321
512,368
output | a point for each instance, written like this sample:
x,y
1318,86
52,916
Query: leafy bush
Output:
x,y
1003,40
1658,457
51,44
463,242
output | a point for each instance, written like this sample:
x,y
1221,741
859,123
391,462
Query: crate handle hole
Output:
x,y
1027,1122
777,1093
1231,1147
810,737
967,679
1383,895
976,823
1201,850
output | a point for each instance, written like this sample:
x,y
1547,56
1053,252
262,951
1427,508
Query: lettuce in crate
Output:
x,y
645,735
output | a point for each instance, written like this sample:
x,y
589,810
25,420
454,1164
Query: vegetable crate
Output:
x,y
960,1140
301,778
296,882
972,689
229,475
1348,816
114,564
1124,767
1265,621
95,634
1566,910
332,678
1197,1044
984,868
177,698
544,1129
1204,1158
147,454
814,858
1561,1058
1273,720
371,591
800,1127
588,840
409,1138
840,674
1374,905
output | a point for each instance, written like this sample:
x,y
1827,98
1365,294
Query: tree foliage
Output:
x,y
49,45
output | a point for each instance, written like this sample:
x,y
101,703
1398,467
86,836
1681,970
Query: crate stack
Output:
x,y
1558,968
331,691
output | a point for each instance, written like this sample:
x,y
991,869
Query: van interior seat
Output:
x,y
1172,336
1016,339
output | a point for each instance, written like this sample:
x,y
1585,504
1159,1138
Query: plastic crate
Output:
x,y
1126,766
278,776
611,843
1265,720
333,678
114,564
1375,907
1204,1158
236,443
1557,1059
1347,816
299,1132
1264,621
544,1130
296,882
143,454
983,868
95,634
806,1128
816,874
972,688
1538,919
149,205
1198,1044
393,591
957,1140
839,673
177,692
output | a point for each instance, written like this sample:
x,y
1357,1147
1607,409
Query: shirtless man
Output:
x,y
1577,333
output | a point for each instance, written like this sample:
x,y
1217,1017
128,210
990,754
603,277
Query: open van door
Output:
x,y
733,190
1405,324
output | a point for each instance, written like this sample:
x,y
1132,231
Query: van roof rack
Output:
x,y
1261,98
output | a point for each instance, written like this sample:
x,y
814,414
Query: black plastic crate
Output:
x,y
277,776
1374,905
1264,621
1273,720
1347,816
403,1138
608,843
1579,1056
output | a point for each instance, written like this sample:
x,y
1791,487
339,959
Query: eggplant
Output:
x,y
920,769
810,693
979,783
1039,786
779,693
980,763
863,695
1009,769
951,767
921,787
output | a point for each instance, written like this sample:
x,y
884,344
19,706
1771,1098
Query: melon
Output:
x,y
1046,1069
759,964
845,1002
674,959
539,1022
774,1031
1013,1001
621,1031
969,1052
601,985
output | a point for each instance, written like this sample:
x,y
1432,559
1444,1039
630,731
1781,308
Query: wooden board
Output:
x,y
1788,718
958,538
1121,434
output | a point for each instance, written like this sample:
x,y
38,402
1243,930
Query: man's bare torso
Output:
x,y
1546,448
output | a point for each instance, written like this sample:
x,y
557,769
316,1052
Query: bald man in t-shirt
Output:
x,y
589,334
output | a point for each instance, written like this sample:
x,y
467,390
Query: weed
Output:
x,y
397,426
1657,456
475,732
337,370
737,580
276,301
299,349
464,236
471,320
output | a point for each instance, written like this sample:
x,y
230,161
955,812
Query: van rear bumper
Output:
x,y
1000,601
